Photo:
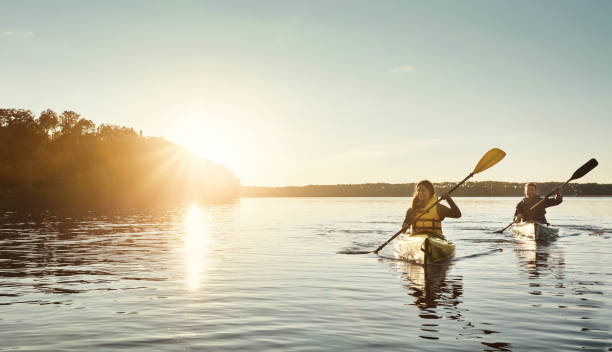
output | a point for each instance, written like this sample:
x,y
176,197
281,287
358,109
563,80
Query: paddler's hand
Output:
x,y
445,196
557,192
404,228
518,217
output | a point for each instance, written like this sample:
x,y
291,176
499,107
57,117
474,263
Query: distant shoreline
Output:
x,y
469,189
565,196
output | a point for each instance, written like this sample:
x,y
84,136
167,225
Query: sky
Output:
x,y
330,92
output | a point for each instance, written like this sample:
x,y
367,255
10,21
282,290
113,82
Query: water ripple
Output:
x,y
263,274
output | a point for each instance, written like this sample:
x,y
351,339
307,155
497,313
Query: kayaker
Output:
x,y
523,213
430,222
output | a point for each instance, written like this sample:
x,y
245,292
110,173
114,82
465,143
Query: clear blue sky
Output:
x,y
326,92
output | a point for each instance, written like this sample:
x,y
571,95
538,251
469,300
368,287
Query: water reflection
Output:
x,y
539,258
578,300
436,294
197,241
428,285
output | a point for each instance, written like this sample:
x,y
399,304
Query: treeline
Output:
x,y
469,189
66,161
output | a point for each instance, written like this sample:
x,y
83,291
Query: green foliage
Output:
x,y
66,161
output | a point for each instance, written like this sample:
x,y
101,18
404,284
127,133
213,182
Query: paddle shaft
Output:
x,y
583,170
504,229
535,205
422,213
548,195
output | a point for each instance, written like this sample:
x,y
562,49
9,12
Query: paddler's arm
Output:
x,y
550,202
407,220
445,212
518,213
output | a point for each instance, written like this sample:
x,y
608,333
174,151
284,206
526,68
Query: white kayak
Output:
x,y
535,231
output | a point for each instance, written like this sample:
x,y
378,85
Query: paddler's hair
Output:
x,y
530,184
416,203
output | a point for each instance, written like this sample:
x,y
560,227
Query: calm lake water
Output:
x,y
264,274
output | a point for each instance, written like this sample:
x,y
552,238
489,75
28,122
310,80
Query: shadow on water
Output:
x,y
590,230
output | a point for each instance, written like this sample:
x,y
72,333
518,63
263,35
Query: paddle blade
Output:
x,y
491,158
348,251
584,169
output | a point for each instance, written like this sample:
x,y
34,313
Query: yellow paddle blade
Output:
x,y
491,158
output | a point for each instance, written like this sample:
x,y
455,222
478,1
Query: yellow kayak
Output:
x,y
423,248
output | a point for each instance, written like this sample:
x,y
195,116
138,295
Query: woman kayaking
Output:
x,y
523,212
430,222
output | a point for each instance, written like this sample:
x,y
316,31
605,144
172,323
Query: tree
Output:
x,y
16,117
68,120
66,161
48,121
84,126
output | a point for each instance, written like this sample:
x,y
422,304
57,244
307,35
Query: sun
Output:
x,y
209,149
205,142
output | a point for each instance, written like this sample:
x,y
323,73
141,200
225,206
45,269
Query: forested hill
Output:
x,y
67,161
469,189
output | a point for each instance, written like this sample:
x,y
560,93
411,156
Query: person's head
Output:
x,y
423,192
530,189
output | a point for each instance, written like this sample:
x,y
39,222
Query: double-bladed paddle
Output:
x,y
491,158
583,170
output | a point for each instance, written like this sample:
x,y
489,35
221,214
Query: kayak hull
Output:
x,y
423,248
535,231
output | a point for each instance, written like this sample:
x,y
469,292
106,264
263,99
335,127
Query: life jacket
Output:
x,y
430,221
538,214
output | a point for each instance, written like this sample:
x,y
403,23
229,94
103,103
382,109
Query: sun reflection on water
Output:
x,y
197,241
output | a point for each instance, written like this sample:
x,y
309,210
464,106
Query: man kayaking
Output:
x,y
523,213
430,222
